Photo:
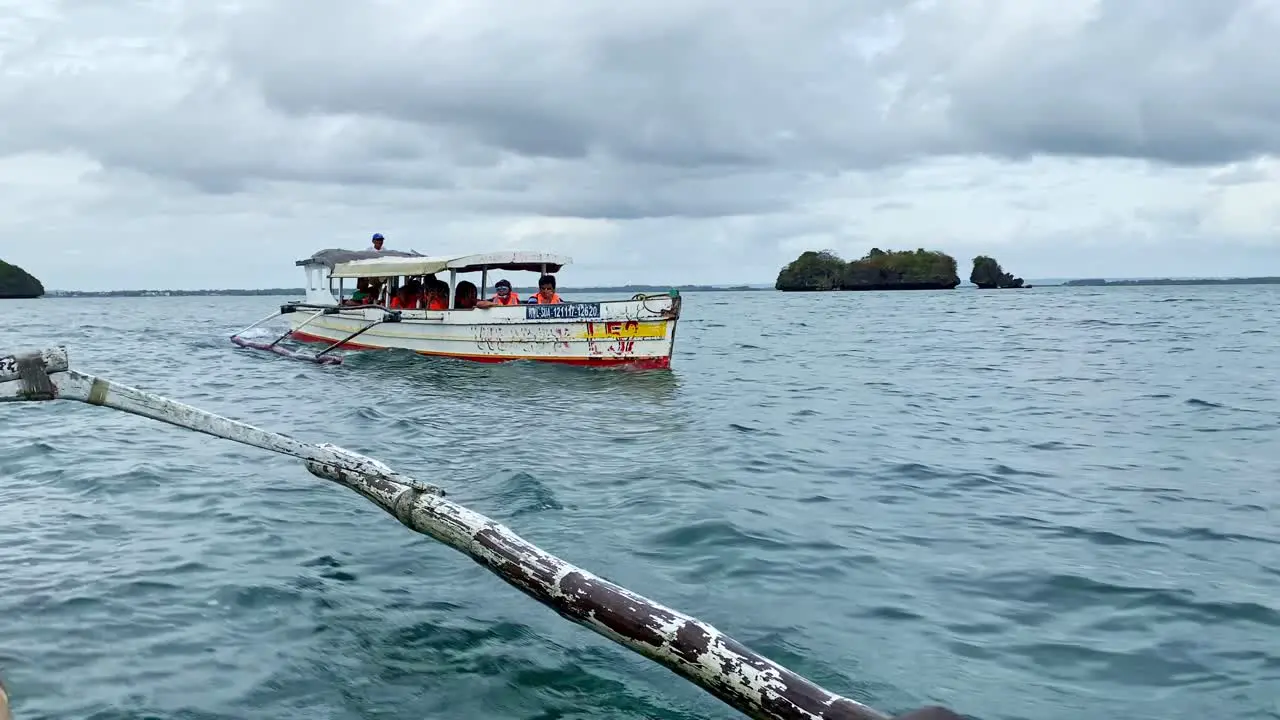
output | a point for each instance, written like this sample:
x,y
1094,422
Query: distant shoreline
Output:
x,y
265,292
1098,282
302,292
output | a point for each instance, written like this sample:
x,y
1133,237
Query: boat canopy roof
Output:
x,y
331,257
399,266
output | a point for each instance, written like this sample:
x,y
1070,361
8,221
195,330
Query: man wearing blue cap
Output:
x,y
377,242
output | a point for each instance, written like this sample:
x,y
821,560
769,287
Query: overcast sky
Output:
x,y
210,143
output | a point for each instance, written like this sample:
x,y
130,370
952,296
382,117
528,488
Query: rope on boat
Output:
x,y
695,650
676,302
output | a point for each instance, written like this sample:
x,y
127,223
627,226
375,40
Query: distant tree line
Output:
x,y
1098,282
174,293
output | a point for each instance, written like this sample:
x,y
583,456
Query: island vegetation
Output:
x,y
877,270
988,275
16,283
1098,282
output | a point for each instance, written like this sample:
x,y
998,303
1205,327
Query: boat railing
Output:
x,y
695,650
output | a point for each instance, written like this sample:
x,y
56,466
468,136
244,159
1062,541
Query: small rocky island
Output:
x,y
988,275
16,283
877,270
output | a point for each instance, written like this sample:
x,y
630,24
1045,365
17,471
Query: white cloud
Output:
x,y
698,141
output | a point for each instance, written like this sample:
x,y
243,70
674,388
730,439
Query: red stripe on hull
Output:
x,y
647,363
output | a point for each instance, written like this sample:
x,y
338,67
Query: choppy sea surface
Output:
x,y
1054,503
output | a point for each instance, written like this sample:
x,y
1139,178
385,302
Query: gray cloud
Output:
x,y
684,84
370,94
1182,83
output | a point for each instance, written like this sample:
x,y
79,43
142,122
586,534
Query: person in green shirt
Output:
x,y
363,294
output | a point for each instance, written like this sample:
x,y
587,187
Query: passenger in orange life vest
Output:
x,y
437,295
409,297
505,296
546,294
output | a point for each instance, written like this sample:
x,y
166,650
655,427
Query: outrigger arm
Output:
x,y
390,316
720,665
323,357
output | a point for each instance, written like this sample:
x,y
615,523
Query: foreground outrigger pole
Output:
x,y
754,685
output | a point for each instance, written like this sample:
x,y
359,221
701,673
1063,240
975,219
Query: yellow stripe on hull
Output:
x,y
629,329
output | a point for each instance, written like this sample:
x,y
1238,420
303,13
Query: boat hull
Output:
x,y
635,334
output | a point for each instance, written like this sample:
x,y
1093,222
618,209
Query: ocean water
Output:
x,y
1054,503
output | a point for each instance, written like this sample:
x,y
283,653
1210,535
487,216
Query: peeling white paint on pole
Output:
x,y
749,682
4,704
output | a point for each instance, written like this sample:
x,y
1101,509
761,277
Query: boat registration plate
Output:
x,y
563,311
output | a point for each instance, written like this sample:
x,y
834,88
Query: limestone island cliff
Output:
x,y
16,283
877,270
988,275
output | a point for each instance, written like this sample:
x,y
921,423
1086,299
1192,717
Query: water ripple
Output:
x,y
1048,504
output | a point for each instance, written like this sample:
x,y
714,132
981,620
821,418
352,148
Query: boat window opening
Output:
x,y
484,283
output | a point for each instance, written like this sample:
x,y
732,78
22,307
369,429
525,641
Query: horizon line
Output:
x,y
710,286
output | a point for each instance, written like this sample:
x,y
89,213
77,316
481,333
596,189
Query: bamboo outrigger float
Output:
x,y
745,680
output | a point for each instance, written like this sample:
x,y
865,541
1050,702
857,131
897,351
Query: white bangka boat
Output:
x,y
637,333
